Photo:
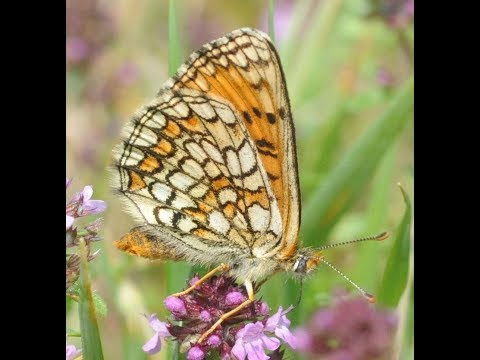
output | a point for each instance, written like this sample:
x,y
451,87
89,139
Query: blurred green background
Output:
x,y
349,71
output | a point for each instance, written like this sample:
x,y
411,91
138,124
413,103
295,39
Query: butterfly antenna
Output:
x,y
378,237
368,296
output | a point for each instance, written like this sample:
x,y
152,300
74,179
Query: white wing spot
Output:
x,y
217,221
181,201
225,114
192,168
186,225
161,192
247,158
196,151
259,217
203,110
227,194
165,216
233,163
211,169
199,191
181,181
212,151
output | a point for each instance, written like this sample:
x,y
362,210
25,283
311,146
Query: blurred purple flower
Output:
x,y
385,78
76,50
396,13
350,329
154,345
71,350
247,334
252,342
89,27
127,74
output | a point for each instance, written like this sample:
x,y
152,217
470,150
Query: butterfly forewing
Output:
x,y
209,162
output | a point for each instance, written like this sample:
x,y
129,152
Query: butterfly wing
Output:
x,y
209,163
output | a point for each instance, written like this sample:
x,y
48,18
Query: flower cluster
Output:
x,y
79,206
350,329
247,334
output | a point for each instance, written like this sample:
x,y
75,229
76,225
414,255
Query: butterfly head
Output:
x,y
305,261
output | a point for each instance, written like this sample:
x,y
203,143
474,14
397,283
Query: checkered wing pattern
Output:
x,y
210,164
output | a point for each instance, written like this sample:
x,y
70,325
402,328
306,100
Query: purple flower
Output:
x,y
279,324
71,350
195,353
154,345
87,206
81,205
252,342
248,334
234,298
350,329
175,306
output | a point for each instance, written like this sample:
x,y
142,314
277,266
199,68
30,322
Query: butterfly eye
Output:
x,y
300,265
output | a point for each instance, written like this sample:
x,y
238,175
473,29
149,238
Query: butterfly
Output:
x,y
209,168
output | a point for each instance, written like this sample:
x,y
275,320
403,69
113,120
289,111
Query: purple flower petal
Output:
x,y
205,316
214,340
70,220
251,342
158,326
87,193
264,309
278,323
93,207
68,182
153,345
239,351
175,306
234,298
285,334
255,351
195,353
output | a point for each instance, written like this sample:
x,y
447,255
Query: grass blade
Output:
x,y
396,272
91,343
337,191
271,19
175,48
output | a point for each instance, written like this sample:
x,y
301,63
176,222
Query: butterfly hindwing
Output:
x,y
208,157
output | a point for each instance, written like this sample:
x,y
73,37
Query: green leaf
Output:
x,y
271,20
395,276
100,305
175,48
91,343
354,171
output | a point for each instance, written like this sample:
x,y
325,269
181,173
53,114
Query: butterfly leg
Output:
x,y
249,286
221,267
